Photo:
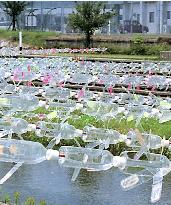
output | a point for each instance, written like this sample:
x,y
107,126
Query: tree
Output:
x,y
88,17
13,9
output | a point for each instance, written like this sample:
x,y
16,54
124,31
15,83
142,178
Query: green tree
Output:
x,y
88,17
13,9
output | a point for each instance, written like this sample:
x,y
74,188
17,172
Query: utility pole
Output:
x,y
131,15
62,20
141,15
109,32
20,42
41,15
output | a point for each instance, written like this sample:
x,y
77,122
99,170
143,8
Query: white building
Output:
x,y
156,15
52,15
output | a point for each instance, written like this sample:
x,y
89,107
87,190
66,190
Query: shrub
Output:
x,y
138,47
119,49
7,199
42,202
17,198
157,48
30,201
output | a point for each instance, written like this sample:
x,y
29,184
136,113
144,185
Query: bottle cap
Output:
x,y
38,132
121,109
84,137
155,111
7,74
52,154
119,162
79,132
41,90
122,138
79,106
165,143
128,142
31,127
42,103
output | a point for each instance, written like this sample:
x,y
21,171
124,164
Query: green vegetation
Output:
x,y
17,198
32,39
30,201
7,199
79,121
139,47
89,16
111,56
137,50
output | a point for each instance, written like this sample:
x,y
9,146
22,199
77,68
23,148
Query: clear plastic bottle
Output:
x,y
164,116
30,90
57,93
137,139
93,134
24,102
21,151
101,110
152,160
57,130
16,125
68,105
97,159
86,158
20,75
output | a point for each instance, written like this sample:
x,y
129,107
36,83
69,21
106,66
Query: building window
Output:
x,y
138,17
120,17
2,19
168,15
151,17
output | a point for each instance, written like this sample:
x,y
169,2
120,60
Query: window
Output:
x,y
168,15
138,17
2,19
151,17
120,17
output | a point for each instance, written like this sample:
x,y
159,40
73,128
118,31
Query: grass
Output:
x,y
79,121
16,199
110,56
113,37
33,39
147,125
36,39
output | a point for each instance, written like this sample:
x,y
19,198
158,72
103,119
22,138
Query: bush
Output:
x,y
30,201
7,199
157,48
17,198
138,47
42,202
119,50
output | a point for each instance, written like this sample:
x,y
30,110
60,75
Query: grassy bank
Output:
x,y
111,56
132,47
32,39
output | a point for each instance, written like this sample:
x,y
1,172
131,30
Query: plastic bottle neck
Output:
x,y
52,154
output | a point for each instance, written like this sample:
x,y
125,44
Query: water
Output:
x,y
52,183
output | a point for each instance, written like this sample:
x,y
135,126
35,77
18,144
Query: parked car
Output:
x,y
132,27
